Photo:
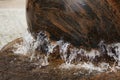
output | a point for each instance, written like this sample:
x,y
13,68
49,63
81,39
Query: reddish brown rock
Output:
x,y
80,22
10,47
16,67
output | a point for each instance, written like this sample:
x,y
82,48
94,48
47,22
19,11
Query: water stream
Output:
x,y
106,57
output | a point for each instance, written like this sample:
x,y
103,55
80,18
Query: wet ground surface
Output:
x,y
17,67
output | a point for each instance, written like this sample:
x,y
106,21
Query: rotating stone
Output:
x,y
80,22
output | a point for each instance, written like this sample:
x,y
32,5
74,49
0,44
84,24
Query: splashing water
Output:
x,y
27,45
30,45
41,48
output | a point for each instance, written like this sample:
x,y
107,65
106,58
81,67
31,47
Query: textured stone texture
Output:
x,y
15,67
81,22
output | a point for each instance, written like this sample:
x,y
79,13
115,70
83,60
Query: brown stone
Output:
x,y
80,22
11,45
16,67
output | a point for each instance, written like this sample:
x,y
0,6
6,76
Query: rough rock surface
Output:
x,y
81,22
20,67
17,67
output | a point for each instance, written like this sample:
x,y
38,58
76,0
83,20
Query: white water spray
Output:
x,y
71,56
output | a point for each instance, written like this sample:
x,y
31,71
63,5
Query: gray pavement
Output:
x,y
12,20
